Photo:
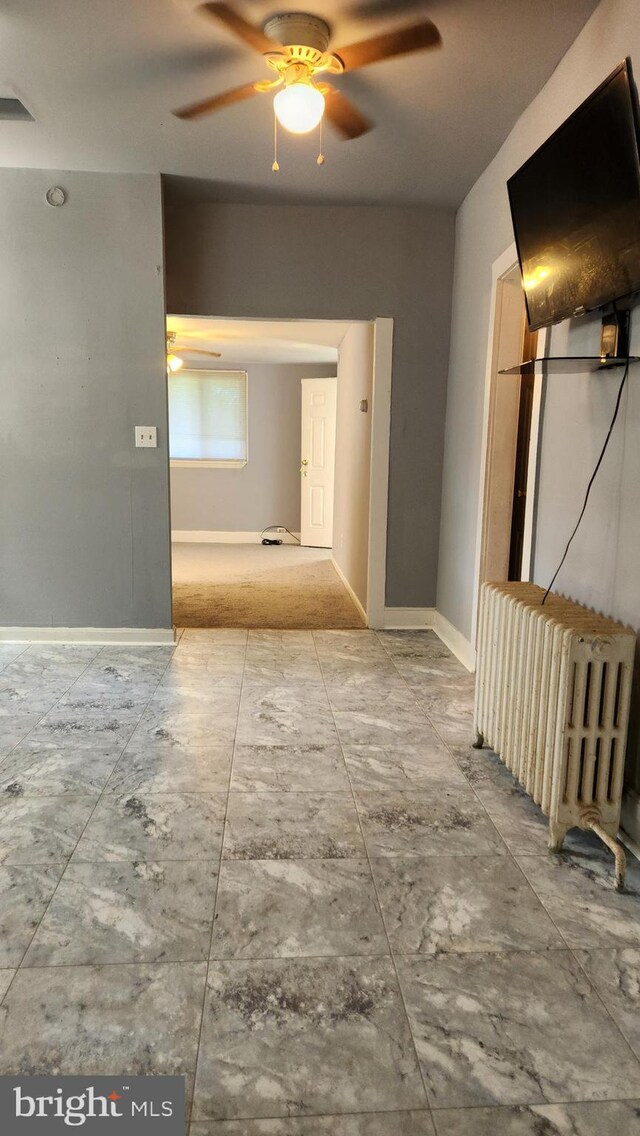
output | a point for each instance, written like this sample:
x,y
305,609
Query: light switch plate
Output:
x,y
146,436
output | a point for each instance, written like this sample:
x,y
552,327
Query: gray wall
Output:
x,y
279,262
267,490
83,515
604,565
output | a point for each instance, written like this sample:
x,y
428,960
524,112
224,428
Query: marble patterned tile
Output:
x,y
6,978
215,636
360,672
513,1028
291,826
125,705
403,768
15,727
203,667
365,1124
275,697
577,890
285,718
146,768
41,830
130,662
72,658
442,700
103,1019
425,672
616,976
413,644
25,892
177,826
274,640
129,912
289,768
264,670
189,728
447,820
453,719
37,769
219,700
598,1118
348,644
384,726
10,651
122,670
388,699
460,903
289,908
290,1036
83,729
192,684
29,697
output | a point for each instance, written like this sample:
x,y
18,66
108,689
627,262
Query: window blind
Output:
x,y
208,415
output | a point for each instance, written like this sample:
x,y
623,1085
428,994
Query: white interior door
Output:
x,y
317,464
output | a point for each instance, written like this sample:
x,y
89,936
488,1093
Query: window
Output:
x,y
208,417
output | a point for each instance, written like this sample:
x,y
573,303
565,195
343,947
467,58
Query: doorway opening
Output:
x,y
271,439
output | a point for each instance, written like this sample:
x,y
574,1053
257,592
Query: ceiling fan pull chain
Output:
x,y
320,158
275,167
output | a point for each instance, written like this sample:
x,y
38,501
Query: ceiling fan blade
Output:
x,y
343,115
240,27
417,37
197,351
216,102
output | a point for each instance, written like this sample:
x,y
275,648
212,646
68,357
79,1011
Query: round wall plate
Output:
x,y
56,195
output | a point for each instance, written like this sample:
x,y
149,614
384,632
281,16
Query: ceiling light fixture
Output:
x,y
295,46
174,362
299,107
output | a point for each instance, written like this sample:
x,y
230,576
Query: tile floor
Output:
x,y
270,862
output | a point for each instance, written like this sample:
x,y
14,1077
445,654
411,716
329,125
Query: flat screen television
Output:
x,y
575,206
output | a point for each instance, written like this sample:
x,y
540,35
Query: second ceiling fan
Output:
x,y
295,46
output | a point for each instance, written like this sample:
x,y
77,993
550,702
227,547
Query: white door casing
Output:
x,y
317,461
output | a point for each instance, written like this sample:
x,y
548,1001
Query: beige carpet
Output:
x,y
246,585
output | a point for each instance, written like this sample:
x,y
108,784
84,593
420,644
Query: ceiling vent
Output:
x,y
13,109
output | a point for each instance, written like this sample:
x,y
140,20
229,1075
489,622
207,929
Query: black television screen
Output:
x,y
575,206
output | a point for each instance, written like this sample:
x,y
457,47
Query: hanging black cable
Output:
x,y
593,476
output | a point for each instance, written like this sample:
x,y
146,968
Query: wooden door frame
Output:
x,y
499,436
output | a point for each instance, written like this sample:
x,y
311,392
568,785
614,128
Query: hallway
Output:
x,y
269,862
255,585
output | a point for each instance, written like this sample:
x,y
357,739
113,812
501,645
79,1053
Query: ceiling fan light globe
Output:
x,y
299,107
174,362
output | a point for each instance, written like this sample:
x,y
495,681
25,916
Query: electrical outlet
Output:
x,y
280,529
146,436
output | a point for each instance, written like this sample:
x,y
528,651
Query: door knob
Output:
x,y
303,467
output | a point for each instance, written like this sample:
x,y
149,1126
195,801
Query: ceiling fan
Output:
x,y
295,46
175,361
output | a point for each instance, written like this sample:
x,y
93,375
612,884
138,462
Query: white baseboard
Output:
x,y
429,618
455,641
409,618
143,636
350,591
630,819
209,536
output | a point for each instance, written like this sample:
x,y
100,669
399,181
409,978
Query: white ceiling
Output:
x,y
102,76
259,341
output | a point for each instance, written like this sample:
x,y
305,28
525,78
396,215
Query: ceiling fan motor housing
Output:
x,y
299,29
